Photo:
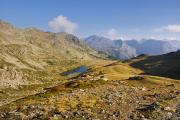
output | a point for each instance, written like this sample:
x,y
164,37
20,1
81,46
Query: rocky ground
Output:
x,y
95,97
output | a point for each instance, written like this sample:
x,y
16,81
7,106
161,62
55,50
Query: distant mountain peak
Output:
x,y
115,48
97,37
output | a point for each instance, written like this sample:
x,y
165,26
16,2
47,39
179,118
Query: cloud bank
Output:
x,y
63,24
112,34
169,28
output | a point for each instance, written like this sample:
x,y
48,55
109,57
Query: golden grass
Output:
x,y
115,70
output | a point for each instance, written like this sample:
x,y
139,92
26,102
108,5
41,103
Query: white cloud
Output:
x,y
111,34
169,28
160,37
62,24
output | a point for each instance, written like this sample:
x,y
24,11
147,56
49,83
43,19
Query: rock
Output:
x,y
55,117
149,107
83,75
169,96
81,90
167,108
169,114
102,76
88,76
177,112
116,114
103,111
3,115
12,78
143,89
100,73
121,82
178,92
66,116
136,78
5,67
105,79
170,85
75,113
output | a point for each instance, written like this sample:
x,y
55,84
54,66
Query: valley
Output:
x,y
109,90
56,76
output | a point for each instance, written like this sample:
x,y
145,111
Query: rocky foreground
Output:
x,y
95,97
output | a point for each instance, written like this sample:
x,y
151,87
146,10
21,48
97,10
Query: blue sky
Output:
x,y
126,19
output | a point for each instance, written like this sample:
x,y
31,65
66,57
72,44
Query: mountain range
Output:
x,y
115,48
125,49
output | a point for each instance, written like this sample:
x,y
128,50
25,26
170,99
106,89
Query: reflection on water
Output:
x,y
78,70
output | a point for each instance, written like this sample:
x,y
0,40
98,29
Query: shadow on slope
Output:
x,y
167,65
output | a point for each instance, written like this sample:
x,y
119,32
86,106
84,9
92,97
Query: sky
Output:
x,y
125,19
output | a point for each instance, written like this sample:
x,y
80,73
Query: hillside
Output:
x,y
108,90
32,39
31,59
35,49
166,65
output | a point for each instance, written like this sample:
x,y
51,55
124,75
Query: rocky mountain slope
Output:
x,y
116,48
31,59
31,42
33,49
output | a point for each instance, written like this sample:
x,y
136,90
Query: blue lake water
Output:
x,y
78,70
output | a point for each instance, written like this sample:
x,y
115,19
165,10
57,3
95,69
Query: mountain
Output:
x,y
175,43
130,48
28,52
114,48
153,47
166,65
